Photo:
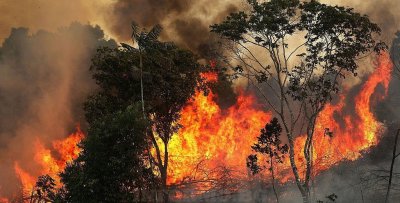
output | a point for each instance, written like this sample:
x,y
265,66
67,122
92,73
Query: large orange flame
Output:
x,y
215,137
223,137
51,162
358,132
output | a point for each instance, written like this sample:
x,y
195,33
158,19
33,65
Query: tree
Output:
x,y
178,75
145,41
395,56
269,144
45,190
112,166
166,80
297,80
394,156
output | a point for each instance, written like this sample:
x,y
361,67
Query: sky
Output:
x,y
112,14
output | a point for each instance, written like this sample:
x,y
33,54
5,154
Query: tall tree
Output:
x,y
112,166
177,74
297,79
165,80
145,41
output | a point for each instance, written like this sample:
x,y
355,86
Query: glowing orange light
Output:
x,y
224,137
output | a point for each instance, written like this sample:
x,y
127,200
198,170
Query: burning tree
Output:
x,y
177,74
295,54
131,120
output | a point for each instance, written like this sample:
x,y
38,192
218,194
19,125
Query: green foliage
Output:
x,y
269,144
298,79
45,189
170,78
112,166
334,37
116,165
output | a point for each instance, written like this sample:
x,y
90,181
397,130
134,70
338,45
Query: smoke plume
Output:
x,y
44,78
185,22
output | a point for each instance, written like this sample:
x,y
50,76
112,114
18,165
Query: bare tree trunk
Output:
x,y
392,166
300,185
164,185
312,196
273,180
165,169
31,198
141,79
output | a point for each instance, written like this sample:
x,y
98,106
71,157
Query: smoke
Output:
x,y
44,79
49,15
185,22
383,12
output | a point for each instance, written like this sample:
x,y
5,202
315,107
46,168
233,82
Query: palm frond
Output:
x,y
135,30
154,32
168,45
127,46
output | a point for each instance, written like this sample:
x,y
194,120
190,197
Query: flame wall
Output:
x,y
223,137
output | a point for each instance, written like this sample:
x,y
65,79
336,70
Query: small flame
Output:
x,y
27,180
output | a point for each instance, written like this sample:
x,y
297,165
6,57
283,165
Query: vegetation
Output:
x,y
113,166
134,111
264,41
144,86
270,145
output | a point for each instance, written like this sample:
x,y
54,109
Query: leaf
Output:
x,y
127,46
135,30
154,33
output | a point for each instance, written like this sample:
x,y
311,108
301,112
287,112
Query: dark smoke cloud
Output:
x,y
383,12
44,79
185,22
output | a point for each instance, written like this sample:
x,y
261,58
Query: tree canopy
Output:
x,y
295,53
116,164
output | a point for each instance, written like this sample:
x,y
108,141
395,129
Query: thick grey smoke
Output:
x,y
185,22
44,79
383,12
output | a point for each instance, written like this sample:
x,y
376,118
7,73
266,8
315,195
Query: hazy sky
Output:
x,y
114,16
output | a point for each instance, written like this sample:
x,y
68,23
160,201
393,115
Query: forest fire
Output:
x,y
51,162
215,137
358,133
212,101
212,137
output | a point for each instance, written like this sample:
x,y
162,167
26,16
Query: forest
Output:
x,y
199,101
